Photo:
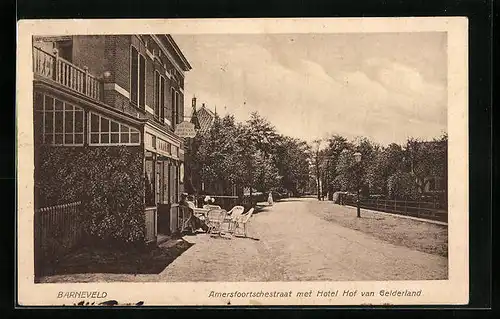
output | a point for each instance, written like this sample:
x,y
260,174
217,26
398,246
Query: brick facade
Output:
x,y
113,53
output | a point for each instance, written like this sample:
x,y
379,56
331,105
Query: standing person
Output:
x,y
270,199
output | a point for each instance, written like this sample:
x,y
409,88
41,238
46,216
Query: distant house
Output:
x,y
204,116
203,119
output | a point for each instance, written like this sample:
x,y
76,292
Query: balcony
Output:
x,y
53,67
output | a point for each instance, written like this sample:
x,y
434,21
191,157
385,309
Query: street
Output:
x,y
289,242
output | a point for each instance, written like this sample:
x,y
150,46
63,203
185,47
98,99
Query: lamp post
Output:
x,y
357,158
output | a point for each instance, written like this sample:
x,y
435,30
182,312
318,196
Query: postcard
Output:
x,y
242,162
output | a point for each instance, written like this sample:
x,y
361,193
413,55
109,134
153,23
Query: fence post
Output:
x,y
406,207
418,209
56,65
85,80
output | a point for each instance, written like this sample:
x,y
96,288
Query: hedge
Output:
x,y
108,180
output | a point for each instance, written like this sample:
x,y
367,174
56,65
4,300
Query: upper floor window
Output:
x,y
65,49
61,123
178,108
160,104
174,96
137,78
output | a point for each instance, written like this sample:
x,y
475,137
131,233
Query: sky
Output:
x,y
384,86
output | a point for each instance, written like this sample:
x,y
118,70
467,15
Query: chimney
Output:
x,y
194,103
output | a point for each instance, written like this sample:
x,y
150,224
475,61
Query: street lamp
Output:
x,y
357,158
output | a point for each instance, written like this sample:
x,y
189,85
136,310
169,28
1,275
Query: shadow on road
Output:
x,y
260,209
88,260
252,238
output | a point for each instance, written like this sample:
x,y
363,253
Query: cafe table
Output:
x,y
200,213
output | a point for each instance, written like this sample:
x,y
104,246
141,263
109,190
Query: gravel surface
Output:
x,y
296,244
423,236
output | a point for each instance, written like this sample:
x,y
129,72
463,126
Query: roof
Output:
x,y
205,118
179,53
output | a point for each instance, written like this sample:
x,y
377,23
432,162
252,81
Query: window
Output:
x,y
159,97
162,99
174,103
175,180
157,94
61,123
166,182
150,140
65,49
104,131
149,180
177,108
137,78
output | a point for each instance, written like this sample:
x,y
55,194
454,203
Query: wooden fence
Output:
x,y
426,210
57,230
151,224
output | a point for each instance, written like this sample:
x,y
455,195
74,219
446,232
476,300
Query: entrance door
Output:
x,y
163,199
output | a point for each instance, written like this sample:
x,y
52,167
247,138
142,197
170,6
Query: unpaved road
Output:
x,y
294,244
289,242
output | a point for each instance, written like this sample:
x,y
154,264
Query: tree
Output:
x,y
347,173
292,164
425,159
262,134
318,160
386,162
401,185
336,144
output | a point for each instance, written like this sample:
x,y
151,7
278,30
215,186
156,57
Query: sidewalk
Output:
x,y
391,214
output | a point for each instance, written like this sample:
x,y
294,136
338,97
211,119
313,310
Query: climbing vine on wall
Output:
x,y
108,180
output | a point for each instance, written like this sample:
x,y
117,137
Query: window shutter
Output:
x,y
142,81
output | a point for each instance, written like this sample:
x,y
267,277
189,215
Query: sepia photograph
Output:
x,y
203,158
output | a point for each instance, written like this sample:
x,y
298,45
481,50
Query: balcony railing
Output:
x,y
65,73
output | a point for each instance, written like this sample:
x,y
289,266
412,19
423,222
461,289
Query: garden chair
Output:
x,y
240,227
215,218
233,215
